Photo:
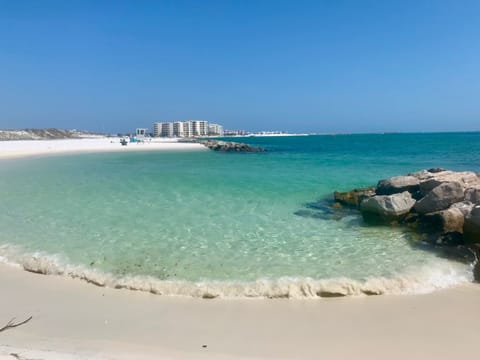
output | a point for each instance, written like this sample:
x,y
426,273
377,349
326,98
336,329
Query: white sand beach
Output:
x,y
75,320
21,148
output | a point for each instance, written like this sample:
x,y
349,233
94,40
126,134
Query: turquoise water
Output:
x,y
211,224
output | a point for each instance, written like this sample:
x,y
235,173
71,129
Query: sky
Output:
x,y
297,66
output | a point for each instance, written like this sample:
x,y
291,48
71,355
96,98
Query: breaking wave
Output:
x,y
419,280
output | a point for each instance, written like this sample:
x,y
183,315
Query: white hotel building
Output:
x,y
189,128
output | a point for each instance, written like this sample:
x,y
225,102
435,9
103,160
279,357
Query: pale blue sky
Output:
x,y
300,66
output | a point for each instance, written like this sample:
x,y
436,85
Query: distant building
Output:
x,y
189,128
164,129
215,129
157,129
200,127
141,133
180,129
167,130
234,132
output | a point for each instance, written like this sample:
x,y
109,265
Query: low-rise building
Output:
x,y
141,133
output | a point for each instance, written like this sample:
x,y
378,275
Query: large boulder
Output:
x,y
466,179
465,207
398,184
445,221
422,175
471,227
473,195
440,198
353,197
387,207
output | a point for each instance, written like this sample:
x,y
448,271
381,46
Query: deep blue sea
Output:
x,y
208,224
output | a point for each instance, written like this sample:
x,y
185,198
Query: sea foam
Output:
x,y
419,280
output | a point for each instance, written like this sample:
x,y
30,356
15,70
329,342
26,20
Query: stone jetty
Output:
x,y
442,205
230,146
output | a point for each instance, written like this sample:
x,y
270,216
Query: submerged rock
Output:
x,y
440,198
353,197
325,210
312,214
387,207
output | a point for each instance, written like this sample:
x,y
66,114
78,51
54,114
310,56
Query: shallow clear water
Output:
x,y
202,222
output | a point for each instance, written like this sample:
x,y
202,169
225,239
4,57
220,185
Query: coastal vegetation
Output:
x,y
43,134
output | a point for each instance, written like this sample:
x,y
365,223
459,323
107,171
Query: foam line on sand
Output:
x,y
72,320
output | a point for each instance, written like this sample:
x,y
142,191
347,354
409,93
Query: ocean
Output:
x,y
208,224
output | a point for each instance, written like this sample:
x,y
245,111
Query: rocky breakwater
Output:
x,y
443,206
230,146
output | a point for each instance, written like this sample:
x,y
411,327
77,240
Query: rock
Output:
x,y
471,227
422,175
440,198
447,210
337,205
325,209
466,179
473,195
313,214
229,146
445,221
330,294
436,170
411,220
465,207
428,185
386,207
453,238
476,272
354,197
475,248
397,185
458,252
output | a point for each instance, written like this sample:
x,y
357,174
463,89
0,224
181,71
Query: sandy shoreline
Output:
x,y
75,320
23,148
